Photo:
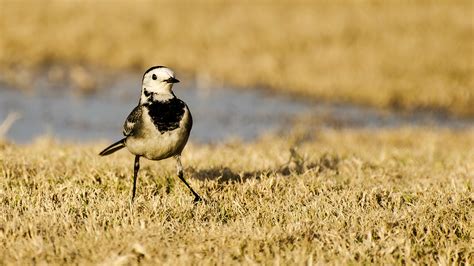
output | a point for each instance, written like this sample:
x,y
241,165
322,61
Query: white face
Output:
x,y
157,84
158,77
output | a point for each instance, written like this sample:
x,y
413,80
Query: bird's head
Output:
x,y
157,84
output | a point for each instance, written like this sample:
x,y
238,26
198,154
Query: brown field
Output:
x,y
410,55
345,196
349,196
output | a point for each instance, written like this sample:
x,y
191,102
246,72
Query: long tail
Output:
x,y
113,148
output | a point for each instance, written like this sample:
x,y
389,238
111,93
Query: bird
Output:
x,y
158,127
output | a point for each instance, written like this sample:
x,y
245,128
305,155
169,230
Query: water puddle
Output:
x,y
219,113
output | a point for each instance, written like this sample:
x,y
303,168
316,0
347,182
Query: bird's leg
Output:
x,y
136,167
179,167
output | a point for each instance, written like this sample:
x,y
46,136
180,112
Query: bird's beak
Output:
x,y
172,80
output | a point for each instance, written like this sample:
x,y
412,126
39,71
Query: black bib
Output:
x,y
166,115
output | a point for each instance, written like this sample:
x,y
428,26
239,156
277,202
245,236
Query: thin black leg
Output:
x,y
197,198
136,167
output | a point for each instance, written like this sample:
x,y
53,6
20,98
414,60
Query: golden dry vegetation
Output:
x,y
409,55
349,196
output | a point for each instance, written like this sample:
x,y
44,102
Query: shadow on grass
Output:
x,y
296,165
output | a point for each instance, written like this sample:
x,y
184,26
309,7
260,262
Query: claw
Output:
x,y
197,199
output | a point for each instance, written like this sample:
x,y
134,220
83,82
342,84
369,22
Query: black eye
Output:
x,y
154,77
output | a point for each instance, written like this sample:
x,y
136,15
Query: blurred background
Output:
x,y
72,69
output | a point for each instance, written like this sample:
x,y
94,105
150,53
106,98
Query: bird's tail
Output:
x,y
113,148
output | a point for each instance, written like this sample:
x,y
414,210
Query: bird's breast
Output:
x,y
164,132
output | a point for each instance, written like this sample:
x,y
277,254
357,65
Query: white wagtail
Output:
x,y
159,127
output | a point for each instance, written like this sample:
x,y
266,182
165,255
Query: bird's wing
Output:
x,y
133,121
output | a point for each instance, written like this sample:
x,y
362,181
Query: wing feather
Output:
x,y
133,122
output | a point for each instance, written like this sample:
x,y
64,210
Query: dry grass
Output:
x,y
415,54
386,197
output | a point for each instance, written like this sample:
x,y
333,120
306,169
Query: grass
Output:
x,y
396,196
389,54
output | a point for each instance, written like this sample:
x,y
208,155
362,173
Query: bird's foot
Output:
x,y
197,199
